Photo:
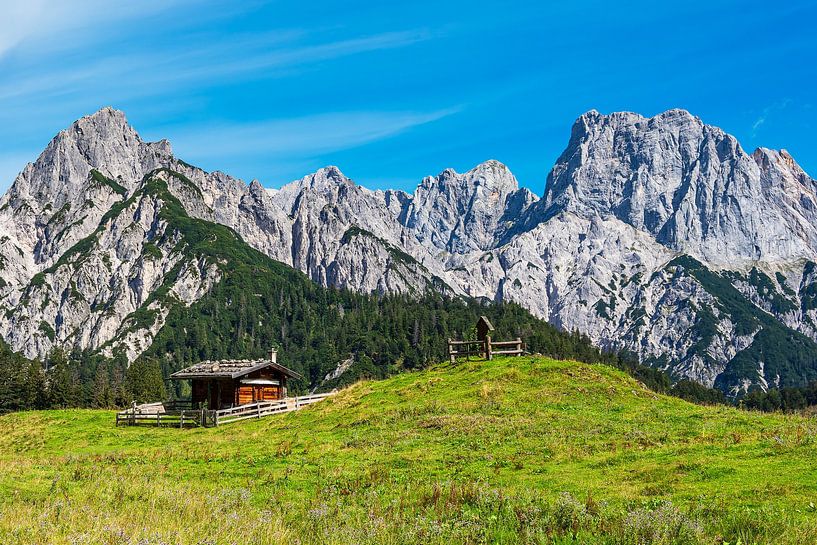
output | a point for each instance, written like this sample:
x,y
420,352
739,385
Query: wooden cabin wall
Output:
x,y
199,391
248,393
228,392
234,393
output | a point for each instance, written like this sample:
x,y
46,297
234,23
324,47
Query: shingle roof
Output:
x,y
229,369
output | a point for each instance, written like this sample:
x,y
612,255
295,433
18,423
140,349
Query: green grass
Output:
x,y
523,450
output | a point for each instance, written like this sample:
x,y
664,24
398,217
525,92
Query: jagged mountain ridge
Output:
x,y
599,253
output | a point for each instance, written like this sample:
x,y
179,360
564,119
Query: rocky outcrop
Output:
x,y
61,197
101,294
462,213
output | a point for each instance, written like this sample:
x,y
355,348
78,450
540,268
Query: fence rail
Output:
x,y
167,414
153,415
484,348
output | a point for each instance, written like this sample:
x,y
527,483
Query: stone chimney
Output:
x,y
273,355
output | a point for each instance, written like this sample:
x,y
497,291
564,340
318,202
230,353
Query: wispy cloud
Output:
x,y
42,24
172,63
767,111
141,75
297,137
18,22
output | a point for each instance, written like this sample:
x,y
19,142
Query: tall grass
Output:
x,y
513,451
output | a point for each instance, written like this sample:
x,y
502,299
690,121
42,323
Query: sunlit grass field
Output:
x,y
521,450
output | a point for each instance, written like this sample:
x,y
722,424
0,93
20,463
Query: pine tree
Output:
x,y
143,381
103,395
10,391
35,395
64,387
120,395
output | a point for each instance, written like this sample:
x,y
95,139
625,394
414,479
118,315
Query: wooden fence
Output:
x,y
180,414
486,349
265,408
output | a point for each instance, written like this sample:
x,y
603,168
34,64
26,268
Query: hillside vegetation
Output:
x,y
256,304
522,450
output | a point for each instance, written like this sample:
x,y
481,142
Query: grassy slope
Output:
x,y
477,452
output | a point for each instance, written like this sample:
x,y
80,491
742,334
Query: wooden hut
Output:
x,y
230,383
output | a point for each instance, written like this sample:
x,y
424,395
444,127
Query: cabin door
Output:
x,y
214,395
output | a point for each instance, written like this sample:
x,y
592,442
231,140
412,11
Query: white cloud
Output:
x,y
768,110
141,75
61,60
19,20
297,137
44,23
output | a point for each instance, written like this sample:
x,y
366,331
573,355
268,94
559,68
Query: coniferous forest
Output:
x,y
259,304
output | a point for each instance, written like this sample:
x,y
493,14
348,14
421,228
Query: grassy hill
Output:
x,y
523,450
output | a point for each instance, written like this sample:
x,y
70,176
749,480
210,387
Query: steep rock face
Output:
x,y
461,213
323,224
61,197
249,210
336,221
100,295
688,184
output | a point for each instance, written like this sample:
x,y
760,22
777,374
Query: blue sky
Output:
x,y
391,92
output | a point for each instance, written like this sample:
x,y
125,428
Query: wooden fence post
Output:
x,y
488,354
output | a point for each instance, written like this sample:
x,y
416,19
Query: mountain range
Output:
x,y
660,237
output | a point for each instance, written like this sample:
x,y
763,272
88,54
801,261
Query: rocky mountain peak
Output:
x,y
324,184
107,134
688,184
85,168
781,163
461,213
494,176
256,187
103,141
593,122
107,116
329,175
